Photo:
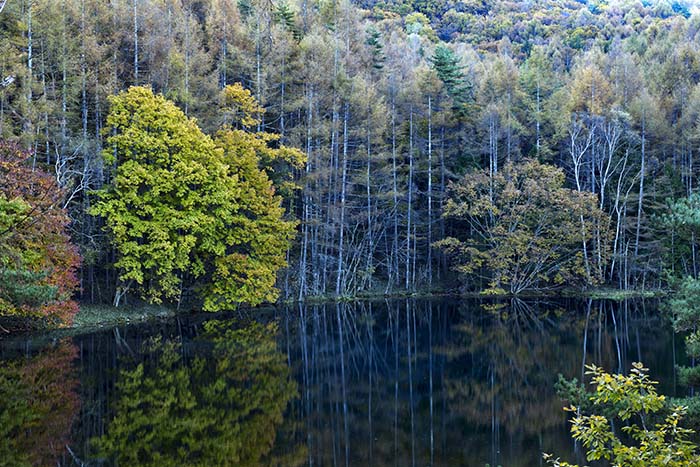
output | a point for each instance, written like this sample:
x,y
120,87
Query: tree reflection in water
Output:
x,y
220,408
385,383
38,404
437,383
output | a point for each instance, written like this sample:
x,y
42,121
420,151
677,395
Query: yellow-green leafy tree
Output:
x,y
523,229
187,212
635,403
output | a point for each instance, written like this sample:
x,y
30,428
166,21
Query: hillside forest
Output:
x,y
226,152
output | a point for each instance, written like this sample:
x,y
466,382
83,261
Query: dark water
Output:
x,y
395,383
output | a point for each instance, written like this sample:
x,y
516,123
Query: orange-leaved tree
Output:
x,y
37,260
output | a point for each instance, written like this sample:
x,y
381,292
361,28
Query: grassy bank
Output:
x,y
106,315
614,294
97,316
596,294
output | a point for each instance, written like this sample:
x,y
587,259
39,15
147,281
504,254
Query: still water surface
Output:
x,y
383,383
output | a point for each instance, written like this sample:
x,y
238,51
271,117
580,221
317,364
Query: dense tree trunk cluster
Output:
x,y
389,109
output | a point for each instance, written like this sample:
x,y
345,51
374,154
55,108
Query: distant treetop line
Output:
x,y
416,120
527,23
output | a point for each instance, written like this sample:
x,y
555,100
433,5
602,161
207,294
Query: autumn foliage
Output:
x,y
37,260
188,212
527,231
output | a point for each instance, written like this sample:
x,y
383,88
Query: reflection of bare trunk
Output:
x,y
617,342
306,382
370,336
430,385
585,338
397,331
410,380
342,384
494,418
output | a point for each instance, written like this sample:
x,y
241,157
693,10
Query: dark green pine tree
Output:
x,y
685,308
245,8
285,16
22,287
376,48
450,72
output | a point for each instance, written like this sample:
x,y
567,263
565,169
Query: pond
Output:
x,y
378,383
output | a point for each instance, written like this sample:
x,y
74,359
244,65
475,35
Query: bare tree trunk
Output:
x,y
44,93
430,193
283,87
410,200
83,75
442,258
415,254
537,119
188,42
258,61
339,279
641,186
64,79
136,43
577,150
395,259
28,125
223,71
305,219
370,238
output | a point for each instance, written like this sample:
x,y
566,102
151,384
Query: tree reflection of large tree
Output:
x,y
222,408
514,357
38,403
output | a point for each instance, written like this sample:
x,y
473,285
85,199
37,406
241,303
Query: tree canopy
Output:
x,y
385,103
188,212
526,230
37,259
634,401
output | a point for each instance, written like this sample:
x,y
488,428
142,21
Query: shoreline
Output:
x,y
93,317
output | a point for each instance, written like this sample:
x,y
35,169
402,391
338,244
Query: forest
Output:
x,y
214,153
468,213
